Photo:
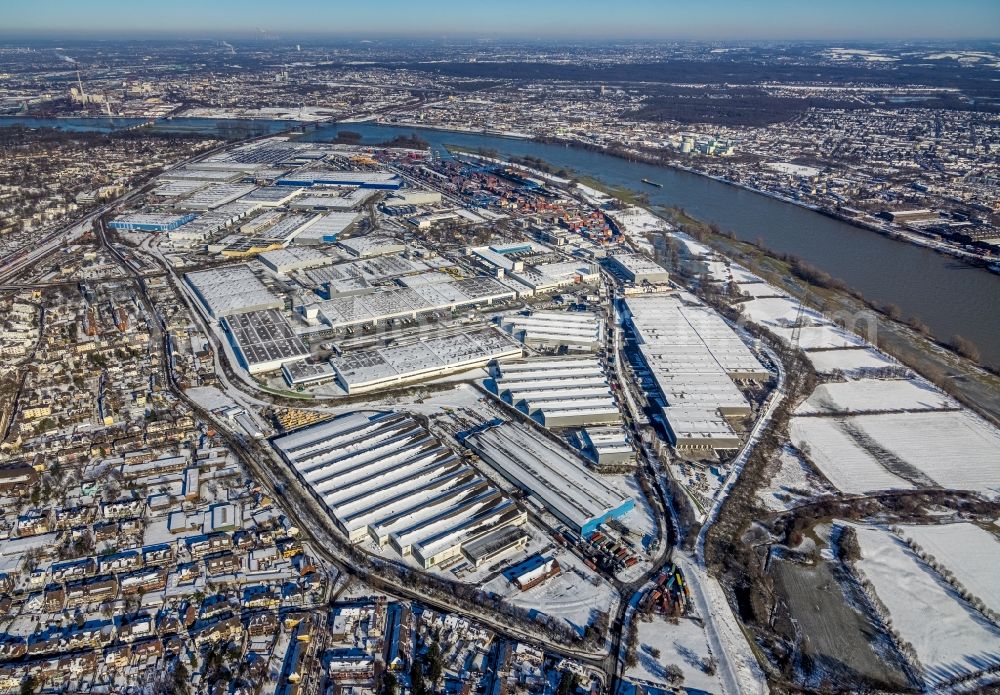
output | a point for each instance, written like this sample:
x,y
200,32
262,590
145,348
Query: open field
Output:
x,y
792,482
875,395
848,360
975,386
949,638
683,645
820,337
571,595
840,642
969,552
955,449
840,458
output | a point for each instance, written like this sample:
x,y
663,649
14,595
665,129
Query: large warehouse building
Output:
x,y
387,480
231,290
563,392
639,269
428,358
555,478
694,357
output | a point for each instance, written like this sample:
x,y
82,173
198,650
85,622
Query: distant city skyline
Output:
x,y
639,19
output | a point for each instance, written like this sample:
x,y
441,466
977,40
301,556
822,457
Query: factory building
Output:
x,y
371,246
272,196
535,571
191,172
150,222
639,269
336,199
284,261
563,392
575,330
607,446
327,228
428,358
214,195
550,474
383,304
305,374
231,290
548,277
412,196
264,341
387,480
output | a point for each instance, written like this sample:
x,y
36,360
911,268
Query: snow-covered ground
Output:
x,y
760,289
210,398
692,246
969,552
793,482
683,645
571,595
839,457
848,360
957,449
949,637
637,223
868,395
776,311
819,337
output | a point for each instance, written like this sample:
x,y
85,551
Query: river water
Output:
x,y
950,296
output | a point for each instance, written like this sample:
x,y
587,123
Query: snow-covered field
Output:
x,y
848,360
957,449
210,398
969,552
849,467
953,449
683,645
867,395
639,221
692,245
775,311
950,638
760,289
820,337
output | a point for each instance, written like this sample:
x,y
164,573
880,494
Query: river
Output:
x,y
950,296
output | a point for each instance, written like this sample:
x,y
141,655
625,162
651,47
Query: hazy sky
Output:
x,y
720,19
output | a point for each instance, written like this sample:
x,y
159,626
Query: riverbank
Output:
x,y
902,236
972,385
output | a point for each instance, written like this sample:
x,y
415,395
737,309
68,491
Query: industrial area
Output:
x,y
301,414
